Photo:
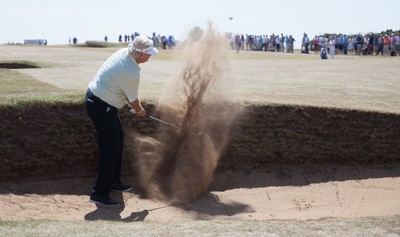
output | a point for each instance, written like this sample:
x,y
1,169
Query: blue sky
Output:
x,y
57,20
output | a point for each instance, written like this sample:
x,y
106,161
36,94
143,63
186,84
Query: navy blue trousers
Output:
x,y
110,141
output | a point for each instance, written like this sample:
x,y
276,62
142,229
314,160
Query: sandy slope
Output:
x,y
308,193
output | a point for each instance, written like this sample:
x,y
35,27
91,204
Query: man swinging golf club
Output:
x,y
115,84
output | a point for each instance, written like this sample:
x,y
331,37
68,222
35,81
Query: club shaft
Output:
x,y
162,121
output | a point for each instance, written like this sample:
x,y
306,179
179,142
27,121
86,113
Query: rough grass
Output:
x,y
387,226
19,88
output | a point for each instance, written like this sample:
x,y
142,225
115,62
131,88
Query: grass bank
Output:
x,y
385,226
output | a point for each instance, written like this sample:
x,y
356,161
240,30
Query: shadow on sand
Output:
x,y
204,207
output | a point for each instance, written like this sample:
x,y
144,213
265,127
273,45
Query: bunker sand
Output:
x,y
231,196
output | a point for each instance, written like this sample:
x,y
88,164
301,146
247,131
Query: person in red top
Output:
x,y
386,44
316,44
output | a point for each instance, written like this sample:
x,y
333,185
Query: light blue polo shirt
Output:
x,y
117,80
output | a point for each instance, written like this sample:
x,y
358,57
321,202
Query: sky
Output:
x,y
59,20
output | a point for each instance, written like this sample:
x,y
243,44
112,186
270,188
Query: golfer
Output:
x,y
115,84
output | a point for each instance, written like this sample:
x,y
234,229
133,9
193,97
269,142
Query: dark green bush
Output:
x,y
96,44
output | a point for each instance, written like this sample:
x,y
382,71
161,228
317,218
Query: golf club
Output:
x,y
162,121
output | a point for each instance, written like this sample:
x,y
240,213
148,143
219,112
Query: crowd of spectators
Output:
x,y
369,44
160,41
385,44
262,42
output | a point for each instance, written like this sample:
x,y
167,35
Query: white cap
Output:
x,y
149,50
139,45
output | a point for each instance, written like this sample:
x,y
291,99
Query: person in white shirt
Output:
x,y
278,43
115,85
351,45
332,43
306,43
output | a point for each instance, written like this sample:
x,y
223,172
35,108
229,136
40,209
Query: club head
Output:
x,y
197,134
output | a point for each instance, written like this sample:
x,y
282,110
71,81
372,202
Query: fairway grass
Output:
x,y
387,226
348,82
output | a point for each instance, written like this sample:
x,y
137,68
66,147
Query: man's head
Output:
x,y
141,49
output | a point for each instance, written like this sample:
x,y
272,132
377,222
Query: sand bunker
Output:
x,y
280,161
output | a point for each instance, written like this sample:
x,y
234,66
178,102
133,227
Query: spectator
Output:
x,y
238,43
263,43
159,40
155,41
164,41
398,44
287,42
332,45
386,45
306,43
303,42
282,42
231,41
351,46
291,44
171,41
345,42
248,42
380,44
339,42
393,45
359,43
273,43
375,44
278,43
316,44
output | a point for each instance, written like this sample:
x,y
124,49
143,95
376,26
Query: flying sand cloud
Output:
x,y
177,166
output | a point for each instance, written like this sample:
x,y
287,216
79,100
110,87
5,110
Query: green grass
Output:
x,y
17,88
385,226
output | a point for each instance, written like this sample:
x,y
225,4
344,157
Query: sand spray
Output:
x,y
176,166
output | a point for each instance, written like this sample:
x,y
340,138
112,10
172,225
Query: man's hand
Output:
x,y
141,113
136,108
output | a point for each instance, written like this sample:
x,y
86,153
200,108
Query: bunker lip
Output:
x,y
17,65
284,136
